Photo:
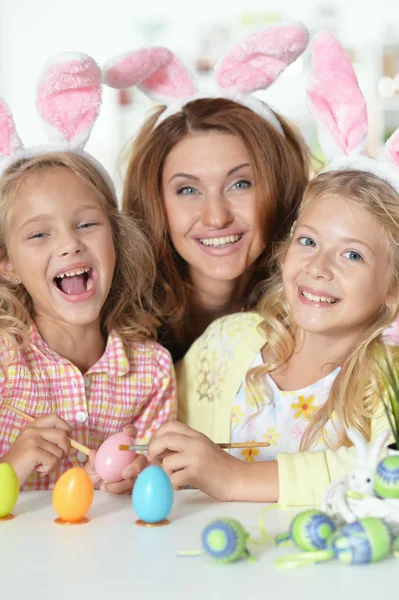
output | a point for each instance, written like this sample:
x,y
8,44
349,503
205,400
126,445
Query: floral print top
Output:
x,y
275,416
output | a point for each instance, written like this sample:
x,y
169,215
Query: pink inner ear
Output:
x,y
157,70
347,127
171,81
393,148
334,93
8,135
256,62
131,69
69,97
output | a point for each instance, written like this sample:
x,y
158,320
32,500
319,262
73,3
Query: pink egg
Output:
x,y
110,461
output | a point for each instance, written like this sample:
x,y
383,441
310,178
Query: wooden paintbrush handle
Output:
x,y
77,445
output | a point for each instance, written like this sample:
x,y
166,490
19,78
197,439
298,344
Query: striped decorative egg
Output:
x,y
225,540
386,479
311,530
365,541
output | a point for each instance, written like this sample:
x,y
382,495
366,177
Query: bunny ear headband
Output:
x,y
254,64
339,109
68,103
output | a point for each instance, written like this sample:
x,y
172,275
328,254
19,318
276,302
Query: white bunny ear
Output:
x,y
260,58
9,139
69,97
376,448
392,148
361,446
337,103
156,71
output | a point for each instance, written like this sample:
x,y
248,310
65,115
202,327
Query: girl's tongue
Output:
x,y
77,284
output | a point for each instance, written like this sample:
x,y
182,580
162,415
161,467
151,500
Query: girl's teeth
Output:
x,y
73,273
220,241
315,298
89,285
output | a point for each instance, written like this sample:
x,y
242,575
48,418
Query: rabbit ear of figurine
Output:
x,y
360,444
376,448
367,455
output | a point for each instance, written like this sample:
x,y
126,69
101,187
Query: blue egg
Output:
x,y
152,495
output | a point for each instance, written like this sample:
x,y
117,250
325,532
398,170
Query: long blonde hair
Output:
x,y
354,395
126,309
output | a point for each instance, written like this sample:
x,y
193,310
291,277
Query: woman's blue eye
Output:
x,y
187,191
352,255
243,184
307,241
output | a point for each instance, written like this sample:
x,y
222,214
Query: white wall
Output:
x,y
30,31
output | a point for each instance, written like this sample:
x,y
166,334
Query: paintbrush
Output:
x,y
223,445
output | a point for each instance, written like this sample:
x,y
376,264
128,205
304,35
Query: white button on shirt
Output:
x,y
81,417
81,457
86,382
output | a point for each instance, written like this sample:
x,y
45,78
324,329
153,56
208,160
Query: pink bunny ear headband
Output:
x,y
339,109
68,103
254,64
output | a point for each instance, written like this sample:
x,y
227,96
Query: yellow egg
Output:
x,y
73,495
9,489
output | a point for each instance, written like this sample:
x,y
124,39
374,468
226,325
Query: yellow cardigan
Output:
x,y
208,379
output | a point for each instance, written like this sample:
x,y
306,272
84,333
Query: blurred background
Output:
x,y
199,33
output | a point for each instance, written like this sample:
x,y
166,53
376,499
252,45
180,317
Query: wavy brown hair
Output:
x,y
126,307
281,169
354,396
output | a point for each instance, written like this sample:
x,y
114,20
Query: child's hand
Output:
x,y
191,458
40,445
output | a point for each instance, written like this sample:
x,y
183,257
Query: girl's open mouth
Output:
x,y
75,282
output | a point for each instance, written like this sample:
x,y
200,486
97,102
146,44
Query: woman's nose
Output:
x,y
216,212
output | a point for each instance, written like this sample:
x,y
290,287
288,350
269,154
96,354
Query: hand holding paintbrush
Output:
x,y
40,446
191,459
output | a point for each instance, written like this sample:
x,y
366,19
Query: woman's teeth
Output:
x,y
220,241
315,298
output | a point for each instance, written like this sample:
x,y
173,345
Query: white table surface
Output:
x,y
111,558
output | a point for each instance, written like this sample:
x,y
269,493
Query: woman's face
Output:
x,y
209,194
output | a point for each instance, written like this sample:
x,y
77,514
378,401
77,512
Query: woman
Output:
x,y
216,181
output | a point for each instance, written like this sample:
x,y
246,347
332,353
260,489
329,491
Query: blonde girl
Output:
x,y
75,287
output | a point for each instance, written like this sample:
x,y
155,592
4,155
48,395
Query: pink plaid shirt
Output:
x,y
126,385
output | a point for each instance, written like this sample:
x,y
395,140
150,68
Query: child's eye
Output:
x,y
307,241
243,184
37,236
352,255
187,191
87,225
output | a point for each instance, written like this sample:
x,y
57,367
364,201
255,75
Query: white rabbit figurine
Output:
x,y
361,481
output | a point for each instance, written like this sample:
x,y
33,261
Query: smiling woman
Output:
x,y
215,176
215,185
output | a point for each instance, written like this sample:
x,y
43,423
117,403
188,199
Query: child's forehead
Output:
x,y
54,192
338,215
335,206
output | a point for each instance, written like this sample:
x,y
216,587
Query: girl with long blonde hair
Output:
x,y
76,279
304,368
